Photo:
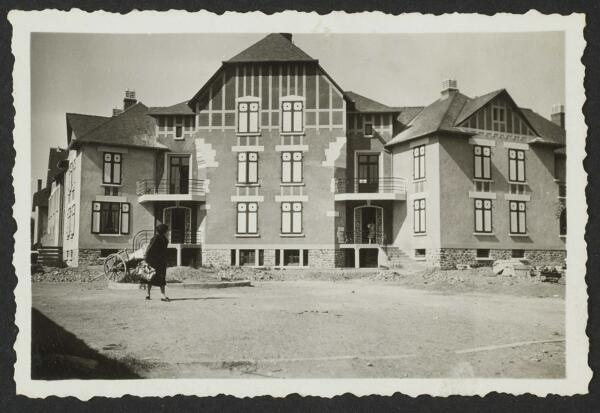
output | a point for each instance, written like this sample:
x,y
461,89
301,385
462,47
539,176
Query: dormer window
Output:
x,y
248,116
292,116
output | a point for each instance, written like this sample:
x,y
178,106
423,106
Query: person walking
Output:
x,y
156,257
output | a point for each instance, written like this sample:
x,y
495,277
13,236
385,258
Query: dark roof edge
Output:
x,y
124,145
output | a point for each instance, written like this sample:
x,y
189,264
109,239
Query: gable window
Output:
x,y
247,218
178,131
499,118
516,165
291,167
419,162
291,217
419,217
247,167
517,217
483,215
292,116
482,155
247,117
110,218
112,168
368,129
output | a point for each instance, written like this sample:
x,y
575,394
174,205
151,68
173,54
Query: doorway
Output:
x,y
178,225
368,173
369,226
369,257
179,174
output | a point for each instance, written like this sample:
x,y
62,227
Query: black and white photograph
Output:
x,y
241,207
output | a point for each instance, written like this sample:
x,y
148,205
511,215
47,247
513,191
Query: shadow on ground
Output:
x,y
58,354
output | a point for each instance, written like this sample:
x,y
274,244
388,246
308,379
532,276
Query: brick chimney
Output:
x,y
558,115
39,182
129,100
449,87
287,36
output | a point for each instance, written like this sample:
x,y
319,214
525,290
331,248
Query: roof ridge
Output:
x,y
109,119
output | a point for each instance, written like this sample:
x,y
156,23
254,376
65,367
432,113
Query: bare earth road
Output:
x,y
313,329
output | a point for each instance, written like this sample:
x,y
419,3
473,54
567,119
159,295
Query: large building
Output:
x,y
272,164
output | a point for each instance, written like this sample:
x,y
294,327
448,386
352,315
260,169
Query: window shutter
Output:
x,y
95,218
125,218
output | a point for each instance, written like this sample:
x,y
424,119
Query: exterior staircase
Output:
x,y
50,256
399,259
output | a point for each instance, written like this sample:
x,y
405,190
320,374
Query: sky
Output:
x,y
89,73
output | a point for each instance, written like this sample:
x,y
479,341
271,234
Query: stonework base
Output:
x,y
323,258
448,258
216,257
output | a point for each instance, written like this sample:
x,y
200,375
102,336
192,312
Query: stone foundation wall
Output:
x,y
447,258
88,257
216,258
339,258
322,258
269,258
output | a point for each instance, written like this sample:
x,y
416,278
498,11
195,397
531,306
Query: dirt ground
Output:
x,y
370,324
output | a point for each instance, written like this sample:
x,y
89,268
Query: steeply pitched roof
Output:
x,y
54,157
446,114
361,103
549,131
177,109
408,113
81,124
276,47
131,128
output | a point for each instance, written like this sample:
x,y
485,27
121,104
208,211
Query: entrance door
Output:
x,y
368,173
179,174
178,226
369,226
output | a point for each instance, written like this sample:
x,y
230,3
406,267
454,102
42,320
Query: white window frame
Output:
x,y
420,216
247,218
250,123
517,171
482,162
518,217
296,126
483,220
419,153
124,217
292,167
111,159
247,168
291,217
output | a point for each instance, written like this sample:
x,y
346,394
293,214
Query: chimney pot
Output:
x,y
129,100
558,115
39,184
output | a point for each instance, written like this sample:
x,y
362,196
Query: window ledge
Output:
x,y
483,259
518,183
112,185
291,235
488,234
245,185
248,133
179,139
419,258
518,235
419,180
483,180
247,235
292,184
111,235
563,236
420,234
293,133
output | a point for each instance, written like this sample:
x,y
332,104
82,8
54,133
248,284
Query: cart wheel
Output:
x,y
115,267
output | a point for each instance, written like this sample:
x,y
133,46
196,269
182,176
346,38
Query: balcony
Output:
x,y
361,189
363,238
151,190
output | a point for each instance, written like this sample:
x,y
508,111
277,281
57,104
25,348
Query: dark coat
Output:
x,y
156,257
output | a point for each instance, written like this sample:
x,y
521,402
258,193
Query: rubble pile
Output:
x,y
68,274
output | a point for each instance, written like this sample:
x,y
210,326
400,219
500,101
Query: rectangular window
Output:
x,y
420,253
483,215
247,258
368,129
292,116
178,131
247,167
291,257
110,218
291,167
247,218
518,254
248,117
517,217
112,168
419,162
419,218
483,253
516,165
291,217
499,119
482,156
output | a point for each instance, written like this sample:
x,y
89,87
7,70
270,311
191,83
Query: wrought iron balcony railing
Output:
x,y
169,187
386,185
143,237
363,237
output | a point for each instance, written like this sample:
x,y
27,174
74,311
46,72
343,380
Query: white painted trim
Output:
x,y
291,148
110,198
517,197
291,198
482,141
516,145
291,235
371,196
484,234
518,235
277,246
418,142
418,195
112,149
204,207
247,98
247,198
170,198
482,195
248,148
332,213
293,98
247,235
